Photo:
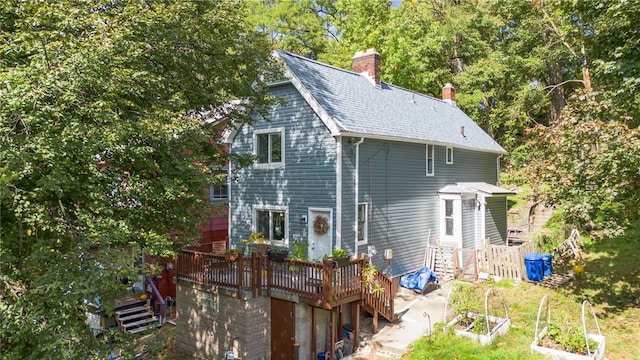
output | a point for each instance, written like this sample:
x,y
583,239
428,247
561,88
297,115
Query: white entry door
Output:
x,y
320,230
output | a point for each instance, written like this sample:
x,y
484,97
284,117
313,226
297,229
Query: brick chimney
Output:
x,y
449,93
367,62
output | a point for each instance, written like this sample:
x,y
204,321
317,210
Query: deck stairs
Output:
x,y
135,318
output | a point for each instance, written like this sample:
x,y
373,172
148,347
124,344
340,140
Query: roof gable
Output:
x,y
351,105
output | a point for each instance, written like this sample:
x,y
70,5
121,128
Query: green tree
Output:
x,y
588,163
359,25
103,149
302,27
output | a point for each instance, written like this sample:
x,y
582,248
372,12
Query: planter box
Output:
x,y
278,256
499,326
342,261
231,256
596,353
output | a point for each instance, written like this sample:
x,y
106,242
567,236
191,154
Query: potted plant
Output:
x,y
370,281
232,254
277,253
340,256
256,239
299,253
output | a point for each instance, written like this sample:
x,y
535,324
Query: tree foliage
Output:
x,y
589,163
103,150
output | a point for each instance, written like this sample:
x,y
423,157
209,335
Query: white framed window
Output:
x,y
431,159
272,222
363,223
451,219
269,147
449,155
219,189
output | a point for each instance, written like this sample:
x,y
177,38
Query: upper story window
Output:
x,y
269,147
363,221
430,159
219,189
272,222
449,155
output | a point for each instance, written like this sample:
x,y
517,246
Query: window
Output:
x,y
448,217
430,157
449,155
363,221
272,223
219,189
268,147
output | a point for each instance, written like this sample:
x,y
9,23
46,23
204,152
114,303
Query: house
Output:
x,y
349,162
352,162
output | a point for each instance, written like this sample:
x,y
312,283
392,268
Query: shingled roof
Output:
x,y
350,104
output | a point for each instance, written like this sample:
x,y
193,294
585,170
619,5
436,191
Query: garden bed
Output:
x,y
483,328
484,334
567,344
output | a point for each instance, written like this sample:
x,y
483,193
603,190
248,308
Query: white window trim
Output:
x,y
254,226
448,158
365,226
431,147
269,165
456,238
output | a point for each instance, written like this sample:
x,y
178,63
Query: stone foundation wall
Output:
x,y
211,321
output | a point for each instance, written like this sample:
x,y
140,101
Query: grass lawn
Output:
x,y
611,283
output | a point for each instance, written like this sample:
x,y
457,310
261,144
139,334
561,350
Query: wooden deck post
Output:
x,y
240,269
327,272
355,321
314,334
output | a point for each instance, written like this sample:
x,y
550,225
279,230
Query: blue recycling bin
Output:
x,y
547,265
534,266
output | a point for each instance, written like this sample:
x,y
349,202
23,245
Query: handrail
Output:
x,y
156,296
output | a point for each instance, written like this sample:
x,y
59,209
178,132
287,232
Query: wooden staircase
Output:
x,y
529,220
135,318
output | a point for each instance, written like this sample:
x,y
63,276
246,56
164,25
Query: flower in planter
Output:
x,y
232,254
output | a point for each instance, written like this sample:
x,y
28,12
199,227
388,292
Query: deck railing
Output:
x,y
215,270
321,284
376,295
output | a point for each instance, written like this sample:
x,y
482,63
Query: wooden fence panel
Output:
x,y
497,260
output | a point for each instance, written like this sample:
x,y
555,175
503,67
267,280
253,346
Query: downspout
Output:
x,y
356,196
498,169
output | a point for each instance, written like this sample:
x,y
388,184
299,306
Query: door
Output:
x,y
283,329
320,230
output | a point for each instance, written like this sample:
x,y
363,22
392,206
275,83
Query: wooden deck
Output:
x,y
324,285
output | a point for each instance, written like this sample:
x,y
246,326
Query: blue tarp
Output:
x,y
419,279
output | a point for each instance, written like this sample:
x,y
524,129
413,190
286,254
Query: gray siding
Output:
x,y
469,223
403,201
308,178
496,220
